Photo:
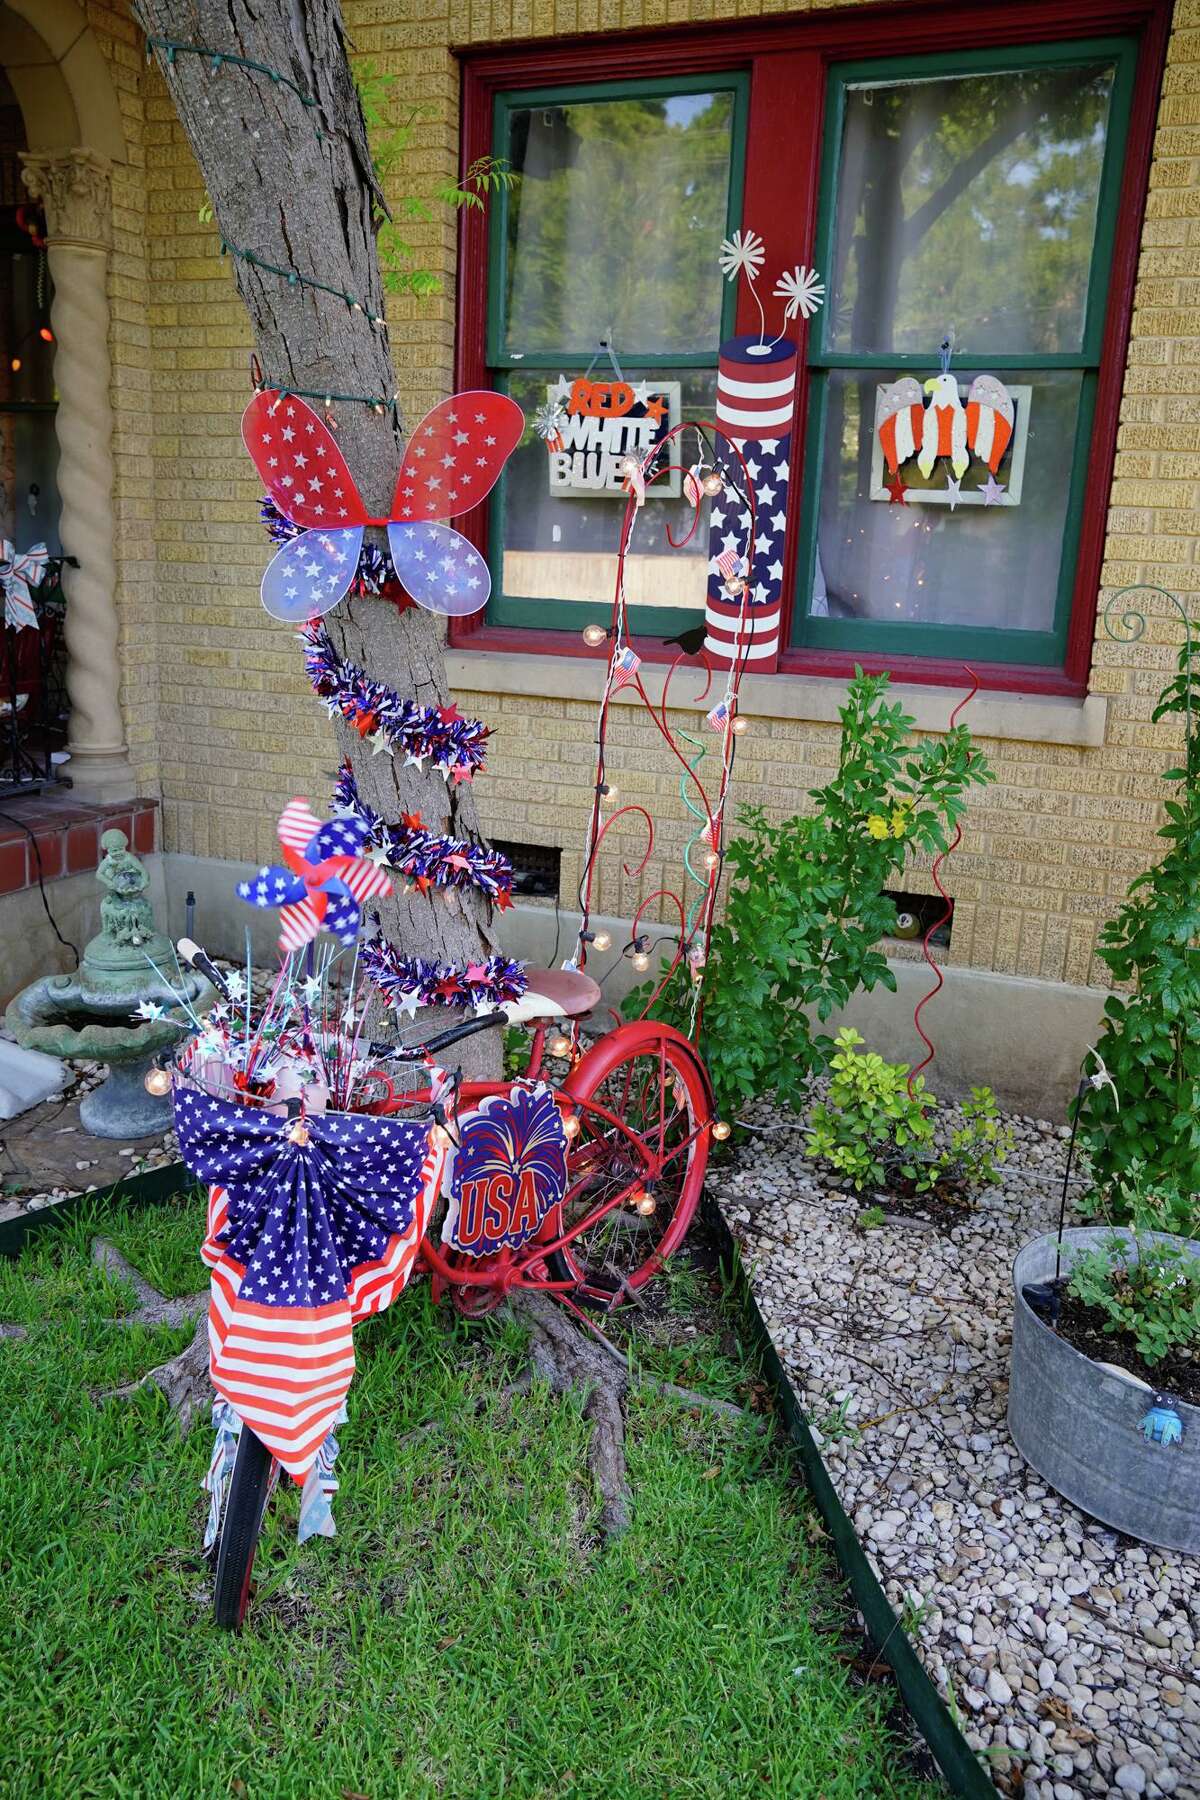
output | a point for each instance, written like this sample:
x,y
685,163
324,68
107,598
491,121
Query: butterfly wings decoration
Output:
x,y
451,462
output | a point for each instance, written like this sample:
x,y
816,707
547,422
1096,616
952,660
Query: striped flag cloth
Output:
x,y
626,664
309,1230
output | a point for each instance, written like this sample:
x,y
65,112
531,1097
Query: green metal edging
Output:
x,y
140,1190
956,1760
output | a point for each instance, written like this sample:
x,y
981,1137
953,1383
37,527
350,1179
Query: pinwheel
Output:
x,y
325,881
452,460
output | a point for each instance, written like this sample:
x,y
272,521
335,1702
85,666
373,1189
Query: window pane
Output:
x,y
559,543
996,565
968,202
615,223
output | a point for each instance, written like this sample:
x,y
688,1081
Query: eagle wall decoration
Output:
x,y
906,426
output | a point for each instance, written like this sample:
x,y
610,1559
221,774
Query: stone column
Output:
x,y
73,186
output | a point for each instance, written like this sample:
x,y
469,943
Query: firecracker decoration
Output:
x,y
548,422
455,746
907,427
375,577
426,858
21,570
756,397
325,881
451,462
409,982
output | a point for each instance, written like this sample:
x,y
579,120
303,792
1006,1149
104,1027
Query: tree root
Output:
x,y
184,1378
565,1358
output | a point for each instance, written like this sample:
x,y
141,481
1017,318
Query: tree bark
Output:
x,y
294,184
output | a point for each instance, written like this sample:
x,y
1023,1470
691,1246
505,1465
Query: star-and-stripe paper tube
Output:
x,y
756,395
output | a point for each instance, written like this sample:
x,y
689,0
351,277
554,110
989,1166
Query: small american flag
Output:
x,y
729,564
718,718
626,664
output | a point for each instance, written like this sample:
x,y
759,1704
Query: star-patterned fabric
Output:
x,y
305,1238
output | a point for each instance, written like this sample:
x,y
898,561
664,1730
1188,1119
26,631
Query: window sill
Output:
x,y
1019,718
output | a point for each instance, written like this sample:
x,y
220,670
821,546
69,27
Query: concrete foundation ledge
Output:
x,y
1024,1038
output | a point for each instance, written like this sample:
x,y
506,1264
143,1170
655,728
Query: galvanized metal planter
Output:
x,y
1079,1424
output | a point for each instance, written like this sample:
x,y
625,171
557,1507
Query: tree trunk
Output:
x,y
293,183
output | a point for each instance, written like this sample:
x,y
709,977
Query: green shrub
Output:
x,y
1138,1196
871,1130
874,1133
806,906
980,1144
1151,1041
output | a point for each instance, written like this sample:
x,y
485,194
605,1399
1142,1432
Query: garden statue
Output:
x,y
118,1007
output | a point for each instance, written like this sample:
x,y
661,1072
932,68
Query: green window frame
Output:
x,y
980,643
571,615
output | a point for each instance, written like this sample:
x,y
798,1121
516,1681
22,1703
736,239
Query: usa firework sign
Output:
x,y
756,395
510,1171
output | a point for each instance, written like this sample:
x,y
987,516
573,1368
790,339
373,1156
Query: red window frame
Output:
x,y
788,62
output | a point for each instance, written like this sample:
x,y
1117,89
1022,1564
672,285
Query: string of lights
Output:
x,y
175,47
294,278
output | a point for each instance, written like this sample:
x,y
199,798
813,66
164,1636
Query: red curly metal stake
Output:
x,y
951,847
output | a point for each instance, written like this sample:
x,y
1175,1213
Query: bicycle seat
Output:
x,y
554,994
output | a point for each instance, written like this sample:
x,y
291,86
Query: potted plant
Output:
x,y
1104,1391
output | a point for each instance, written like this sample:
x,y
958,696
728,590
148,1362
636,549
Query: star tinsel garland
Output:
x,y
409,982
425,857
376,576
456,746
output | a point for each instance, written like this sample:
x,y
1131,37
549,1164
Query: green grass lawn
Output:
x,y
463,1636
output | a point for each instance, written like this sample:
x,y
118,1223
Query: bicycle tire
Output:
x,y
606,1074
240,1528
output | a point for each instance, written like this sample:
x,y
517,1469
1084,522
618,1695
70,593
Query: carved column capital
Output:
x,y
74,187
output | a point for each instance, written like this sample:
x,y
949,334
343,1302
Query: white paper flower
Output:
x,y
803,290
741,255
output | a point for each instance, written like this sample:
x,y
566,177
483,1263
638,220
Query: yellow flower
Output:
x,y
899,820
877,825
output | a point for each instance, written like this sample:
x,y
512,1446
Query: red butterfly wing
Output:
x,y
301,467
454,457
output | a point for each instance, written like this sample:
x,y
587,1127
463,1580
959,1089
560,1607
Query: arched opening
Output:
x,y
33,697
59,121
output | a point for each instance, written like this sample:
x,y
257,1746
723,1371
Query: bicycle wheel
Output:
x,y
244,1508
636,1168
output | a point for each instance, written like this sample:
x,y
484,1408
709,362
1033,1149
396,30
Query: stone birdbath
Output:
x,y
95,1012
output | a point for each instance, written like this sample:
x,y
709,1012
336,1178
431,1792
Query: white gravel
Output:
x,y
1068,1652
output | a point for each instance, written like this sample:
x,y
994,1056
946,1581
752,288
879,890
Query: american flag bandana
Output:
x,y
313,1224
325,881
626,664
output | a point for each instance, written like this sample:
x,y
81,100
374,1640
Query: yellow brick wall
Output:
x,y
220,714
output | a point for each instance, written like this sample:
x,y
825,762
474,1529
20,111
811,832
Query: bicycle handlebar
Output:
x,y
441,1041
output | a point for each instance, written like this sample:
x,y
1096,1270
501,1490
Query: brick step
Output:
x,y
67,834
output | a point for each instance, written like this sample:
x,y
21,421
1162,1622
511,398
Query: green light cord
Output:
x,y
294,278
172,47
377,402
